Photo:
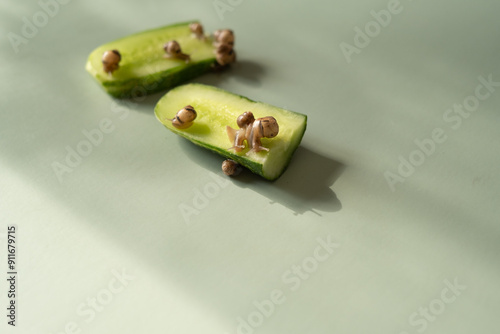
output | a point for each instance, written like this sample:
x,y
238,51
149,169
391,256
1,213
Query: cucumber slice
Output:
x,y
143,68
216,109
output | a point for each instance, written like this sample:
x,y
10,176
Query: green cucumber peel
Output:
x,y
216,109
144,69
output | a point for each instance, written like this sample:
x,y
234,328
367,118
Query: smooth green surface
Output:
x,y
143,67
202,249
216,109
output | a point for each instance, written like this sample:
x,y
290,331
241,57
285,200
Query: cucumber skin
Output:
x,y
157,82
153,83
253,166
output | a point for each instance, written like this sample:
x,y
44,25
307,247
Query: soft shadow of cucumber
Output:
x,y
305,185
245,71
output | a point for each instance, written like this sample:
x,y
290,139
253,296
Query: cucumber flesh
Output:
x,y
217,109
143,67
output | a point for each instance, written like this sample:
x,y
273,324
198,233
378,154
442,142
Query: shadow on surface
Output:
x,y
247,72
244,71
131,209
305,185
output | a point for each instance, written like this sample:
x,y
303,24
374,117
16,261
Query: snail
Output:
x,y
265,127
244,122
184,117
224,43
224,54
111,60
173,50
252,130
224,36
197,29
231,167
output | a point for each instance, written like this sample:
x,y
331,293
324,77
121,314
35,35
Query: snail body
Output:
x,y
173,50
252,131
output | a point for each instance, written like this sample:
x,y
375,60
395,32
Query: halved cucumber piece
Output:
x,y
216,109
143,67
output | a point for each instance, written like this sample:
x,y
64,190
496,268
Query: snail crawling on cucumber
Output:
x,y
254,135
160,59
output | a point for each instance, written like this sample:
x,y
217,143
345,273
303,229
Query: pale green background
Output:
x,y
120,209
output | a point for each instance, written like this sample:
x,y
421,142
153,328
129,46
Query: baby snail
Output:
x,y
111,60
224,43
197,29
231,167
224,36
252,130
224,54
184,117
173,50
